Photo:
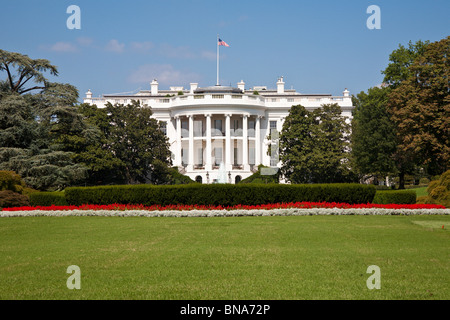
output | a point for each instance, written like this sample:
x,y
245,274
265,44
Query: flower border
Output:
x,y
225,213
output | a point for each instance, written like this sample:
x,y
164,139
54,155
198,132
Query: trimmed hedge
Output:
x,y
395,197
56,198
219,194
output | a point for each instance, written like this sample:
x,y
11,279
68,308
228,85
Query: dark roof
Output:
x,y
218,89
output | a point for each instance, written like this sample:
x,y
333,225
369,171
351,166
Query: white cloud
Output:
x,y
114,46
209,55
142,47
60,47
166,74
85,41
181,52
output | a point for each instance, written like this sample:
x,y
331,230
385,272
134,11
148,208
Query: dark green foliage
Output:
x,y
395,197
47,199
131,147
314,146
38,131
400,60
9,199
373,138
175,177
20,69
220,194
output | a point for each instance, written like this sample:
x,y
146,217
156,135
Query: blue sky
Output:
x,y
318,46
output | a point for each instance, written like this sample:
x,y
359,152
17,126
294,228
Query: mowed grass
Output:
x,y
421,192
288,258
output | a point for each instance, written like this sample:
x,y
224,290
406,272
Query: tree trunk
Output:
x,y
401,183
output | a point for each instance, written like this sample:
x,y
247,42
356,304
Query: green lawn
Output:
x,y
293,257
421,192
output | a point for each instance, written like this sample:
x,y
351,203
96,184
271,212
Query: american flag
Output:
x,y
223,43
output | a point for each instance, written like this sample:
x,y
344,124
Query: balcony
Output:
x,y
217,132
236,132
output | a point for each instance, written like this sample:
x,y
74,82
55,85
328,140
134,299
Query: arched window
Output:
x,y
237,179
198,179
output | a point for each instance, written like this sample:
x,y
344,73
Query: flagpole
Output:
x,y
217,42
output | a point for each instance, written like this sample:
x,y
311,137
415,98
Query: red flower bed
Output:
x,y
241,207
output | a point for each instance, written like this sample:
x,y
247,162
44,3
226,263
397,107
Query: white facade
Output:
x,y
218,133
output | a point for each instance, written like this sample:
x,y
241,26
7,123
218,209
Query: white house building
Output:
x,y
219,133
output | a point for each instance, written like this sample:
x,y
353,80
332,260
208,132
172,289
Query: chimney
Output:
x,y
346,93
154,86
194,86
241,85
280,85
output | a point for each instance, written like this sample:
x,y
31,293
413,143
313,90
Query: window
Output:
x,y
237,179
251,128
218,156
235,156
198,179
217,128
273,128
251,156
184,156
273,125
198,128
163,127
236,130
184,129
199,161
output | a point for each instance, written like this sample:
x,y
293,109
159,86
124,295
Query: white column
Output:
x,y
227,142
178,160
208,165
191,143
258,141
245,142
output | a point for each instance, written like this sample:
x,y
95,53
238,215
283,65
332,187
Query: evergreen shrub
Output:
x,y
395,197
56,198
220,194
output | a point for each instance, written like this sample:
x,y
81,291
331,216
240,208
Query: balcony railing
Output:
x,y
236,132
218,133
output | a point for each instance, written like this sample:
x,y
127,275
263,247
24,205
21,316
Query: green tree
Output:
x,y
133,139
420,109
314,146
32,125
401,59
397,71
373,140
296,145
330,156
20,69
